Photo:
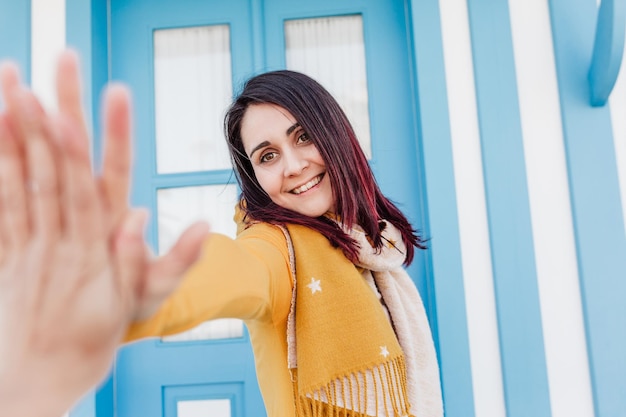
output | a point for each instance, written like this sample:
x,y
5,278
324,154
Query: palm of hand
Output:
x,y
74,270
63,304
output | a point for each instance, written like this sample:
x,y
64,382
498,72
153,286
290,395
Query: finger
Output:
x,y
41,170
181,256
11,87
9,82
130,256
116,167
69,92
82,210
13,208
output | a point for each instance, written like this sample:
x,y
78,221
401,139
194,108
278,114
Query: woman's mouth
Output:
x,y
306,187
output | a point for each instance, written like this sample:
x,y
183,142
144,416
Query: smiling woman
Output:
x,y
316,266
298,99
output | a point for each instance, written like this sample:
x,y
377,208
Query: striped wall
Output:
x,y
15,31
561,329
539,189
551,233
549,196
505,103
526,194
472,211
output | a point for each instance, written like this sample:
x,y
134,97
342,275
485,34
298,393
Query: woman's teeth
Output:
x,y
308,185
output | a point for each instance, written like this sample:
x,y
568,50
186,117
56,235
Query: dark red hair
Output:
x,y
358,199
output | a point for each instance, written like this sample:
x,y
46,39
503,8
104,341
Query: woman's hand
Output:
x,y
74,269
162,274
67,290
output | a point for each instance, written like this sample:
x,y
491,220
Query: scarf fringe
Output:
x,y
347,395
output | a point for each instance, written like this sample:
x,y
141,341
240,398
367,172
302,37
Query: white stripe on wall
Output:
x,y
617,103
47,41
553,235
472,212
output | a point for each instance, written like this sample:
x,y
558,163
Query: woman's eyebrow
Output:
x,y
292,128
266,143
257,147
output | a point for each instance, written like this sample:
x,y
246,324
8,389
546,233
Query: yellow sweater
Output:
x,y
246,278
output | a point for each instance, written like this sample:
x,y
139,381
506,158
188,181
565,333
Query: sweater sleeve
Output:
x,y
247,278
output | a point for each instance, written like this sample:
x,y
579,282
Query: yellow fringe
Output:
x,y
347,395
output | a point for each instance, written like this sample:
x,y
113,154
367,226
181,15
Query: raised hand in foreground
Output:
x,y
66,288
74,269
162,275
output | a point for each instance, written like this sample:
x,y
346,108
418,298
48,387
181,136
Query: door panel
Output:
x,y
182,376
189,138
187,377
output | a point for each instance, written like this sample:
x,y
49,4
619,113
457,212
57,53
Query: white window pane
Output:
x,y
332,51
180,207
203,408
210,330
192,89
177,209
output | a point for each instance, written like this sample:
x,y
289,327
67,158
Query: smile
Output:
x,y
308,185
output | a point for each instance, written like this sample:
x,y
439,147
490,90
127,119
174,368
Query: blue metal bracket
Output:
x,y
608,50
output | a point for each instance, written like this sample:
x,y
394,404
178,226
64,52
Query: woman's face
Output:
x,y
285,161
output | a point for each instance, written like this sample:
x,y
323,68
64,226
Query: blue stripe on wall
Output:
x,y
438,172
15,34
596,206
515,279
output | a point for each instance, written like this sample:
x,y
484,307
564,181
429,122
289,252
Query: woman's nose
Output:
x,y
294,164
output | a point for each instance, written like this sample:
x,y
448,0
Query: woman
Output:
x,y
316,269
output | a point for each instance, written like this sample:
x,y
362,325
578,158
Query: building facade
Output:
x,y
498,126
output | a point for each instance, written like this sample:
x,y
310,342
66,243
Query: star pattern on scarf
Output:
x,y
384,352
315,285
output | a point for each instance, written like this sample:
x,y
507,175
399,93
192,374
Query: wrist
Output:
x,y
24,396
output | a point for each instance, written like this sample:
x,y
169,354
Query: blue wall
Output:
x,y
596,205
15,34
435,153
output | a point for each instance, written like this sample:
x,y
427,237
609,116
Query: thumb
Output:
x,y
183,254
166,272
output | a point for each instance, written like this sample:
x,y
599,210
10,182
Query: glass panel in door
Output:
x,y
192,88
332,51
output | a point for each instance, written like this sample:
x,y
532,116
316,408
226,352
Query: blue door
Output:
x,y
184,59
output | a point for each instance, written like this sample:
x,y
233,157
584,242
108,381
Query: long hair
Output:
x,y
358,199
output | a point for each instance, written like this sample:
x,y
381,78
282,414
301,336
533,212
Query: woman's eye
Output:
x,y
267,157
304,137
